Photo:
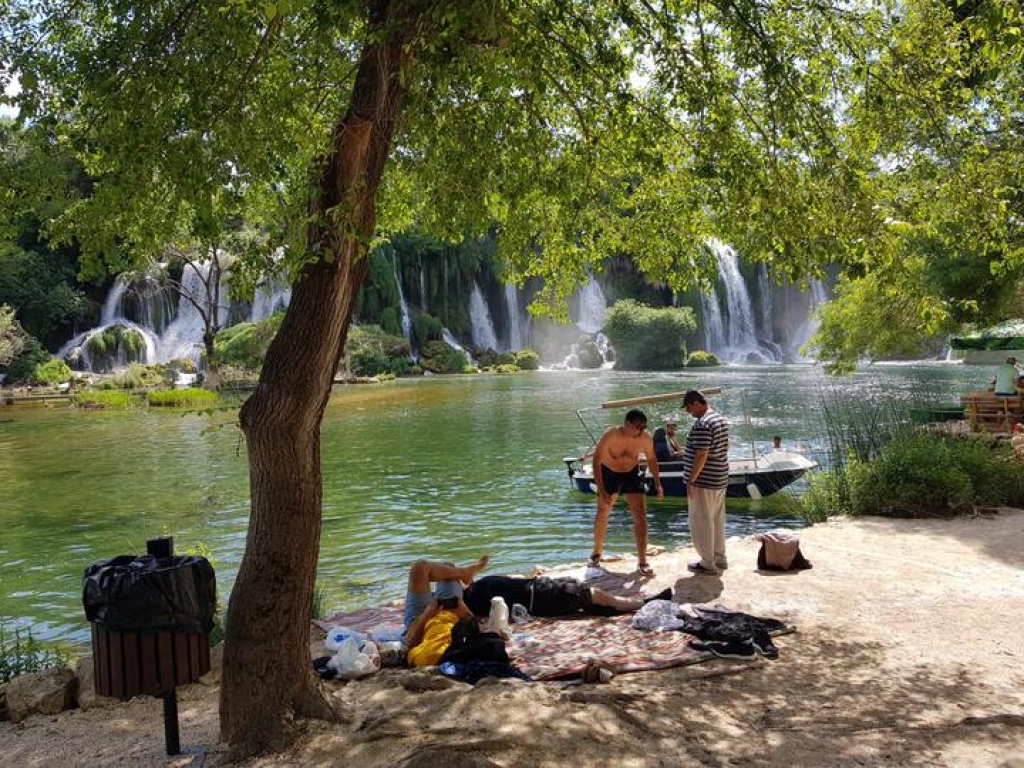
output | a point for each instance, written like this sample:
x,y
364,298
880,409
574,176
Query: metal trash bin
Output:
x,y
151,618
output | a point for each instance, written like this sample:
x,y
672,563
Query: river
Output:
x,y
445,467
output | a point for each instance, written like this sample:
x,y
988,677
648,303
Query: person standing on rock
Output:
x,y
617,470
706,471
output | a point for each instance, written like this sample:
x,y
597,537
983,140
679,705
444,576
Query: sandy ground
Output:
x,y
908,653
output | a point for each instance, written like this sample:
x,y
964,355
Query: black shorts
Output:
x,y
558,597
623,482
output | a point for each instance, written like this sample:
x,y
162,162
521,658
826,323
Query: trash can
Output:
x,y
151,617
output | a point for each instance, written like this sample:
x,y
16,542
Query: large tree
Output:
x,y
578,128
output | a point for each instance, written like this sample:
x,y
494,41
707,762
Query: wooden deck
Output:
x,y
990,412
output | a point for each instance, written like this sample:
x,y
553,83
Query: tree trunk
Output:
x,y
268,680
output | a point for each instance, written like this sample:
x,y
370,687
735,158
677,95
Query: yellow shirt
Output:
x,y
437,636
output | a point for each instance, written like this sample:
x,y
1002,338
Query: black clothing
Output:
x,y
623,482
541,597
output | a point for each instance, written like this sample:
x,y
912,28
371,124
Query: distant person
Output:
x,y
706,471
617,470
1008,379
777,443
666,441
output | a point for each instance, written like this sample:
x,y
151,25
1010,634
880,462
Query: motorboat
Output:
x,y
749,478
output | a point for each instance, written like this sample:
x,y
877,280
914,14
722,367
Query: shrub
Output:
x,y
192,397
370,351
701,359
22,369
527,359
136,377
112,400
506,368
245,345
648,338
439,357
827,494
488,358
426,328
20,653
53,371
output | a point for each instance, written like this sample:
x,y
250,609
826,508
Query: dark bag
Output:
x,y
470,644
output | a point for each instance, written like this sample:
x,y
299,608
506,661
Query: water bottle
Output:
x,y
519,614
498,619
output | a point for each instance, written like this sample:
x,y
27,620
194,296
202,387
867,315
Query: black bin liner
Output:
x,y
146,593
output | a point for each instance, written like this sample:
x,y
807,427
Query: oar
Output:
x,y
657,398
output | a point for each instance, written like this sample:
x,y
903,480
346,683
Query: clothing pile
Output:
x,y
727,634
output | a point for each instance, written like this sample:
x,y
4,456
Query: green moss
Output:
x,y
527,359
108,400
701,359
183,398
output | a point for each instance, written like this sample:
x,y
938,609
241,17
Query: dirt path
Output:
x,y
909,652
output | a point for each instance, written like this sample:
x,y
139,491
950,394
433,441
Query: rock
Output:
x,y
87,697
216,665
41,693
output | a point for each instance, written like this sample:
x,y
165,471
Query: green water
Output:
x,y
438,467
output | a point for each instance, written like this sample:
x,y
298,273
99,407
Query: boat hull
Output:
x,y
748,478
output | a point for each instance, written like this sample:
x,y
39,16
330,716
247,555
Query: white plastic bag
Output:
x,y
355,659
657,616
336,636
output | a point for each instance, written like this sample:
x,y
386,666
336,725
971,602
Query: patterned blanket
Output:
x,y
548,649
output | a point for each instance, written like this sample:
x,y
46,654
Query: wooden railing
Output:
x,y
991,412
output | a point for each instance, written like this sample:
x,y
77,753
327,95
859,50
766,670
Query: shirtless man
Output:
x,y
617,470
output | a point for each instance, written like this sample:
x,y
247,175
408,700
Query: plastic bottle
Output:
x,y
497,621
519,614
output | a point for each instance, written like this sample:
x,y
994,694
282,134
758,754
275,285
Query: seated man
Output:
x,y
666,444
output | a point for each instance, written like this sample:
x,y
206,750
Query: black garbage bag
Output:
x,y
146,593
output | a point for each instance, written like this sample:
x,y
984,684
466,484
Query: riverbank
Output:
x,y
908,652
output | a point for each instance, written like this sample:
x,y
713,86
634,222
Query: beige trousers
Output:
x,y
707,524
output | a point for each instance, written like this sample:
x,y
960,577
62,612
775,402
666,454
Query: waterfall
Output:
x,y
183,337
449,338
424,302
714,323
406,320
818,295
271,296
764,288
515,328
111,311
483,333
592,305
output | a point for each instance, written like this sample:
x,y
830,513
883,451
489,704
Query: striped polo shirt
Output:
x,y
711,432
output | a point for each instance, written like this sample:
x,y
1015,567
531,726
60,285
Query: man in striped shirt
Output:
x,y
706,470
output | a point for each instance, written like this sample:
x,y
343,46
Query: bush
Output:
x,y
701,359
648,338
22,368
245,345
370,351
192,397
828,494
527,359
136,377
112,400
506,368
439,357
426,328
488,358
52,372
20,654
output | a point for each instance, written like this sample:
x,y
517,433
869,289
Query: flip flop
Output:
x,y
595,560
645,569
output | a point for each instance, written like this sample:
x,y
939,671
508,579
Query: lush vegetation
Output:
x,y
701,359
191,397
20,653
648,338
371,351
108,399
245,345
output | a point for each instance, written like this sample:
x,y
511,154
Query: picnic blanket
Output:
x,y
549,649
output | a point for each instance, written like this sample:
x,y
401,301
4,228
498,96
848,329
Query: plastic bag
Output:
x,y
355,659
657,616
336,636
156,594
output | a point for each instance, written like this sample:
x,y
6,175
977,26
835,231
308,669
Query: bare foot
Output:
x,y
470,571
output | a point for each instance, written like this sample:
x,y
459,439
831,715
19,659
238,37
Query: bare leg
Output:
x,y
638,508
621,604
604,510
423,573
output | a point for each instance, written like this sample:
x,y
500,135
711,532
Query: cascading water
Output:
x,y
482,328
182,339
515,328
818,295
403,306
271,296
449,338
592,306
714,323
